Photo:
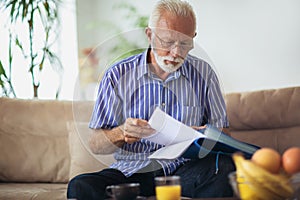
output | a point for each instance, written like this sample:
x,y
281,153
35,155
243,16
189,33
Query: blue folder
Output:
x,y
217,142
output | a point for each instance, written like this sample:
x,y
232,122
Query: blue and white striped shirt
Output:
x,y
129,89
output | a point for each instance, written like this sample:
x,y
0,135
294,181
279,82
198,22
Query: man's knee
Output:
x,y
81,187
74,186
71,191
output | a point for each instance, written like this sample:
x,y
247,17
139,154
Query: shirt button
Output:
x,y
163,104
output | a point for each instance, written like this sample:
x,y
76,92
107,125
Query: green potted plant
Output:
x,y
34,43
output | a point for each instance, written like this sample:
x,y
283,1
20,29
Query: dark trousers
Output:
x,y
206,177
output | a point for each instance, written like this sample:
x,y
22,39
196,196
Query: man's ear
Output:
x,y
148,32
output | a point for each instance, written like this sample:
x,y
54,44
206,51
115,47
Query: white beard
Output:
x,y
169,68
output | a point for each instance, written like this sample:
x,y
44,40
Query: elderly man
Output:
x,y
164,76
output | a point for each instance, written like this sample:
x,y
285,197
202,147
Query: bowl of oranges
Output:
x,y
267,175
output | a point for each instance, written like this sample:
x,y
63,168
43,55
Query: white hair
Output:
x,y
177,7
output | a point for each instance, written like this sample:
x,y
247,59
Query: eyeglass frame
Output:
x,y
170,45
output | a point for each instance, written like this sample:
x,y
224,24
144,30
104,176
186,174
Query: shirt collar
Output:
x,y
184,68
143,69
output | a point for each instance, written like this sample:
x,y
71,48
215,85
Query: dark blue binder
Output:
x,y
217,142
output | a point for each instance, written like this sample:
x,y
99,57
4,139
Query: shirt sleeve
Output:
x,y
107,111
215,107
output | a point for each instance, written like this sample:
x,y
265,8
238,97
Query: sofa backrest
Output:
x,y
268,118
34,138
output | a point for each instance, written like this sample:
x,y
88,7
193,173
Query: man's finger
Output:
x,y
130,140
139,131
141,122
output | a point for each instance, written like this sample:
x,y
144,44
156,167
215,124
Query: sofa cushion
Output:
x,y
265,109
82,159
34,140
267,118
36,191
279,139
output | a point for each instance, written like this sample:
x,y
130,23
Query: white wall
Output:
x,y
68,51
253,44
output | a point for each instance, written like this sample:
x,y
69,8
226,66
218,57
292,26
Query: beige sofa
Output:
x,y
41,148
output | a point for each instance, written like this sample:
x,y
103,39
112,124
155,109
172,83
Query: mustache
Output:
x,y
172,59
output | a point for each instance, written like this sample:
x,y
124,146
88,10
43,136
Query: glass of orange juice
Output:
x,y
167,188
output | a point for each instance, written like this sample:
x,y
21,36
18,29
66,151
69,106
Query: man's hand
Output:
x,y
135,129
224,130
197,128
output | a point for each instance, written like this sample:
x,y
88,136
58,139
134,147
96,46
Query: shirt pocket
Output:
x,y
192,115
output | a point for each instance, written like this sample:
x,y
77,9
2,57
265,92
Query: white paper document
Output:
x,y
176,136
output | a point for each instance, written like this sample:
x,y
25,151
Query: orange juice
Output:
x,y
168,192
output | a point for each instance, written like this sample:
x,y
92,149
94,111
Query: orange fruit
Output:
x,y
291,160
267,158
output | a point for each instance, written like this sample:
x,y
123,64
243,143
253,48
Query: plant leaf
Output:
x,y
2,70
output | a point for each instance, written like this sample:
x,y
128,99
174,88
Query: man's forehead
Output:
x,y
181,24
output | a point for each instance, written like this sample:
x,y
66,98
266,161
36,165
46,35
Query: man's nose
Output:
x,y
176,51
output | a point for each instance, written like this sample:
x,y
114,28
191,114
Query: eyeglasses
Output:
x,y
169,44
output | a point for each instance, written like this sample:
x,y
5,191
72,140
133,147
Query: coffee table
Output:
x,y
223,198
